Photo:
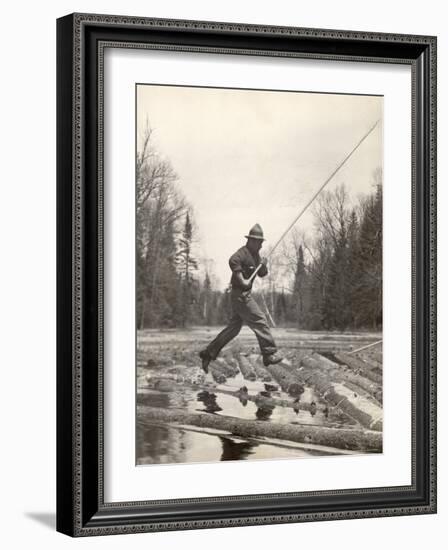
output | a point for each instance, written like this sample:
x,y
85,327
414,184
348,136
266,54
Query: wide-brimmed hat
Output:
x,y
255,233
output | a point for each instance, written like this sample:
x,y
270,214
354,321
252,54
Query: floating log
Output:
x,y
368,346
158,375
165,385
231,361
217,375
246,368
288,381
227,369
179,373
377,355
370,359
182,370
358,365
366,412
374,395
292,359
341,438
260,370
357,382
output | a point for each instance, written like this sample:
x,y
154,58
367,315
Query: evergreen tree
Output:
x,y
337,303
187,264
299,289
353,268
341,285
206,300
281,307
369,288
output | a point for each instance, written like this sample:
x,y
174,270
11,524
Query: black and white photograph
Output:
x,y
259,274
223,234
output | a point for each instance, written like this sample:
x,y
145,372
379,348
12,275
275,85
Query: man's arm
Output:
x,y
263,271
242,282
235,264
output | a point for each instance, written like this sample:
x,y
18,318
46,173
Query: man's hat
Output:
x,y
255,233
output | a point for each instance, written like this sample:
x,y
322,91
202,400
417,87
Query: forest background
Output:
x,y
327,277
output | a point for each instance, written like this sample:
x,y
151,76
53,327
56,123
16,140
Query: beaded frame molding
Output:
x,y
81,39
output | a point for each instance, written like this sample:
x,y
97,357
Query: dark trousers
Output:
x,y
244,310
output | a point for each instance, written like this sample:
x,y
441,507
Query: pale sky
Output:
x,y
246,156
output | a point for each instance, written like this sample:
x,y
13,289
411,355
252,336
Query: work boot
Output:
x,y
204,355
271,359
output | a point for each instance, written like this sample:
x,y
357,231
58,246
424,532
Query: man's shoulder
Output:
x,y
241,252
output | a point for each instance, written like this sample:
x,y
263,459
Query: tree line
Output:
x,y
169,292
336,277
329,281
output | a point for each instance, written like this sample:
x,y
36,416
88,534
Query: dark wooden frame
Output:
x,y
81,510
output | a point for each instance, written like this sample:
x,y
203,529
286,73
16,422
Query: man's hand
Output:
x,y
245,284
264,261
248,284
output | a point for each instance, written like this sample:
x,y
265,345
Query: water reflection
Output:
x,y
209,401
243,400
235,450
166,445
243,396
264,412
296,405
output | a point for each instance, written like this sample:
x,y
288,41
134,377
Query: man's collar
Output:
x,y
253,255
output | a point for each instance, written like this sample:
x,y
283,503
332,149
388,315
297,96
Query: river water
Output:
x,y
166,444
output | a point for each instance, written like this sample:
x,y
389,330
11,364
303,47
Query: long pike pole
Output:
x,y
330,177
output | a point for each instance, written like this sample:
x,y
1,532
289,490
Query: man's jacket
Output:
x,y
246,262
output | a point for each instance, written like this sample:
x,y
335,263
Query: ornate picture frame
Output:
x,y
81,43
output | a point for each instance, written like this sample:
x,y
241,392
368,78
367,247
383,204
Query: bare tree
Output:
x,y
159,207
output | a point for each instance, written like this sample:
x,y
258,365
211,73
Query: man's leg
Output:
x,y
210,353
255,319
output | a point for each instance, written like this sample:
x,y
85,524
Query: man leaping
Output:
x,y
244,308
